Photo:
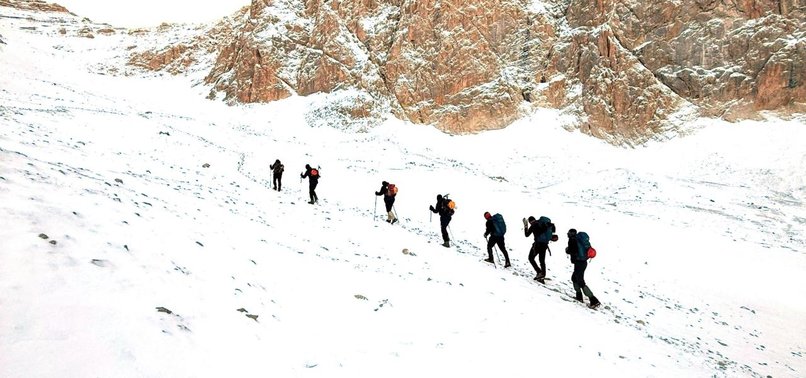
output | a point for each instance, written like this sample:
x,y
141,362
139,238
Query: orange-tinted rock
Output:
x,y
34,5
629,69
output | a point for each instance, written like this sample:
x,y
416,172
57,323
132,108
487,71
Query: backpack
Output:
x,y
548,231
278,169
584,249
449,205
499,225
391,190
314,172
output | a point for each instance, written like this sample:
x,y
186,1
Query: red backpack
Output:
x,y
391,190
314,172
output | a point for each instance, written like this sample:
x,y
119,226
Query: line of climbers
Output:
x,y
312,174
542,229
578,249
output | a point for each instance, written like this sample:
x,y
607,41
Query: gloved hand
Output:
x,y
525,222
485,235
431,207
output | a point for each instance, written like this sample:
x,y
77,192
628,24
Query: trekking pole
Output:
x,y
375,212
496,254
450,232
487,241
394,211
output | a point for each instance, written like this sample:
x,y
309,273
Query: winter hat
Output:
x,y
307,166
572,233
439,197
531,219
487,215
384,183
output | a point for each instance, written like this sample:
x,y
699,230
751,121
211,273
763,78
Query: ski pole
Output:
x,y
450,232
375,212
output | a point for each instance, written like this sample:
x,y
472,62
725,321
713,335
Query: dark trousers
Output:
x,y
389,202
443,224
278,182
578,277
538,249
312,190
497,240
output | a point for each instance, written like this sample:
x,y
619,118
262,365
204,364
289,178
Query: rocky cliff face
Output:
x,y
34,5
732,59
628,69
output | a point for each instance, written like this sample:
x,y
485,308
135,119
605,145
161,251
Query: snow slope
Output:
x,y
154,265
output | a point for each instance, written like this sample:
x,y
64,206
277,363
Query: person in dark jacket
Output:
x,y
580,262
277,174
445,214
388,200
539,247
493,240
313,179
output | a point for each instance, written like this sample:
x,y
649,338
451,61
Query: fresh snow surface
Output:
x,y
147,13
700,240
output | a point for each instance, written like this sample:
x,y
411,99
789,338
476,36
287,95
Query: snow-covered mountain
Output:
x,y
139,235
627,71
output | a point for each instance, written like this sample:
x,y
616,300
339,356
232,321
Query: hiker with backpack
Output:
x,y
445,210
579,249
543,230
313,178
496,228
388,191
277,174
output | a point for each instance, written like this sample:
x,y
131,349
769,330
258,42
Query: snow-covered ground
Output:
x,y
156,266
147,13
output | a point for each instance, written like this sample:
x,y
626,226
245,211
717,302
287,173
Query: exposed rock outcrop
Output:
x,y
629,69
34,5
193,51
732,59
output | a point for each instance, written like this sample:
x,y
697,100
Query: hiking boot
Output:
x,y
578,297
393,221
594,303
388,221
446,244
310,202
490,260
506,265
